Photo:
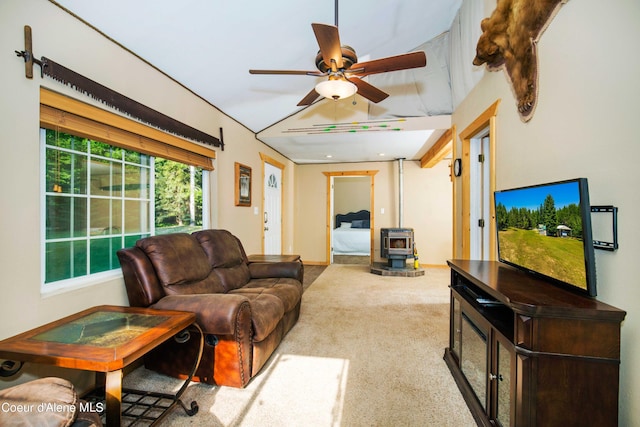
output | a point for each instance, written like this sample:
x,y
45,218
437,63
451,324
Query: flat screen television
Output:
x,y
545,230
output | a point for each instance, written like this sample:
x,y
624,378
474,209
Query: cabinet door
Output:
x,y
456,327
501,376
473,360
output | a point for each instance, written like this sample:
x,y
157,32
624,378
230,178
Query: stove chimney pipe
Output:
x,y
400,191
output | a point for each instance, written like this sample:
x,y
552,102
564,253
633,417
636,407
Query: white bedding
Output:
x,y
351,241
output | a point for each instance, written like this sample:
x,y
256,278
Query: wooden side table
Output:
x,y
104,339
273,258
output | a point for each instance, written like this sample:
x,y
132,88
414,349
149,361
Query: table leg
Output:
x,y
113,397
158,401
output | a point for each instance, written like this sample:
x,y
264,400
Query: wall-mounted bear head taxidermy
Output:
x,y
508,40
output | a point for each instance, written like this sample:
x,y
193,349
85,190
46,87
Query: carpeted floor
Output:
x,y
367,351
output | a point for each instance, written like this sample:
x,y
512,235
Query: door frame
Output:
x,y
330,175
273,162
484,120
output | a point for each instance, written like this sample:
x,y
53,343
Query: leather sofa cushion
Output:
x,y
222,248
209,285
58,396
266,313
233,277
289,291
226,256
177,258
215,313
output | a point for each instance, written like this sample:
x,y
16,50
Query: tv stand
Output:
x,y
539,356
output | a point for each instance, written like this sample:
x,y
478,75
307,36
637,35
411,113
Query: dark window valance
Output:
x,y
75,117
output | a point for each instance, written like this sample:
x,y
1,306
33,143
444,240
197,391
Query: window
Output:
x,y
108,181
99,198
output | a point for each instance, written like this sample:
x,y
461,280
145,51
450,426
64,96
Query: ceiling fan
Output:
x,y
340,64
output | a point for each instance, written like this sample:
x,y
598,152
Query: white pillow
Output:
x,y
345,225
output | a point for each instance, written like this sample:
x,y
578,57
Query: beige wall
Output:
x,y
427,207
584,126
66,40
351,194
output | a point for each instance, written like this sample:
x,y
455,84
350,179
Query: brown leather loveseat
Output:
x,y
244,309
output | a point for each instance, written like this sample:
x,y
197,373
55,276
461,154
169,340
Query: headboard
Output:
x,y
352,216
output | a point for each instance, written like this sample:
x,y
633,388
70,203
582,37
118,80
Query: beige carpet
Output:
x,y
367,351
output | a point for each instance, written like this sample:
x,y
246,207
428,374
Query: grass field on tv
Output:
x,y
562,258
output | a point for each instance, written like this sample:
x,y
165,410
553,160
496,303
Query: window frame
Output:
x,y
64,114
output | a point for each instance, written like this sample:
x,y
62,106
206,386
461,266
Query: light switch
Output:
x,y
255,210
382,211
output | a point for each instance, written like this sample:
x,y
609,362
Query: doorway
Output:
x,y
355,190
272,179
479,196
477,213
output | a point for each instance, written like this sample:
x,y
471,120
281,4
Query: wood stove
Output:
x,y
396,244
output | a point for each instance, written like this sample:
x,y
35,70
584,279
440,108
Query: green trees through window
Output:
x,y
178,197
99,198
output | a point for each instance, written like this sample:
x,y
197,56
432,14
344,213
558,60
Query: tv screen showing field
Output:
x,y
540,229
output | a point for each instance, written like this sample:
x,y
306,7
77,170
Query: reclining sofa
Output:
x,y
243,308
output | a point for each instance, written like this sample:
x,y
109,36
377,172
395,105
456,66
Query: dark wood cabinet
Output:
x,y
525,352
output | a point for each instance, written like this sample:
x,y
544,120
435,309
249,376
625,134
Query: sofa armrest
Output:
x,y
228,317
263,270
217,314
140,278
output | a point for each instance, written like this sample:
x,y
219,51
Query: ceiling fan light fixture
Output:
x,y
336,89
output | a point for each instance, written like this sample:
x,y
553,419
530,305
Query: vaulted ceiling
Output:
x,y
209,46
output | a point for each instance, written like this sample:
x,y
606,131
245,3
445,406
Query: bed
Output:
x,y
352,234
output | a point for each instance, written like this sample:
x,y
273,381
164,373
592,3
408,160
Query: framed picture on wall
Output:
x,y
243,185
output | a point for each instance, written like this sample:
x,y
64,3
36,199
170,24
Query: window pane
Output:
x,y
178,197
79,205
79,144
52,170
65,260
116,152
59,176
137,158
58,261
79,261
100,215
116,173
59,139
130,241
79,166
100,177
116,217
137,216
103,253
58,221
136,182
101,149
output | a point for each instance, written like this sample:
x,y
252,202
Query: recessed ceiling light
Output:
x,y
381,154
328,156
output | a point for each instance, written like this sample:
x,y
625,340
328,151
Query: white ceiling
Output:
x,y
209,45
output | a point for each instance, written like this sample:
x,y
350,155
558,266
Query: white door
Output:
x,y
272,214
480,198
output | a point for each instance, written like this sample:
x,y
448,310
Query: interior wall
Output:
x,y
66,40
584,126
351,194
427,207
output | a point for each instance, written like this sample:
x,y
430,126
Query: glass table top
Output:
x,y
102,329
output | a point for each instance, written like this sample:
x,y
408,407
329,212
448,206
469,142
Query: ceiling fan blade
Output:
x,y
295,72
308,100
390,63
329,42
369,91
